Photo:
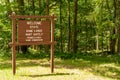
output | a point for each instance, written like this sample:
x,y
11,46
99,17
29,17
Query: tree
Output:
x,y
75,27
33,6
61,28
22,12
69,27
118,24
21,7
91,27
113,32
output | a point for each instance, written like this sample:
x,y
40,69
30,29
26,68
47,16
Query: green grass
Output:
x,y
77,67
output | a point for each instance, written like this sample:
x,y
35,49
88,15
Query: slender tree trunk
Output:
x,y
61,28
112,42
93,33
47,7
101,17
69,28
118,25
21,11
112,31
97,40
102,39
33,7
86,47
28,3
21,6
75,27
118,46
40,7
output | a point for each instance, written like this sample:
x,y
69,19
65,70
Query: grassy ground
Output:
x,y
84,67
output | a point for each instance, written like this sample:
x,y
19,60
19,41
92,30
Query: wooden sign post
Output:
x,y
32,32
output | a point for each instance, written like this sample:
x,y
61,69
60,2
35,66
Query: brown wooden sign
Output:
x,y
32,32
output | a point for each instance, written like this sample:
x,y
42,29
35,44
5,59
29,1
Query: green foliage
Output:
x,y
94,18
4,42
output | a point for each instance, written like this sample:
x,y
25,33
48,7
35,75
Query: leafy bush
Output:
x,y
4,42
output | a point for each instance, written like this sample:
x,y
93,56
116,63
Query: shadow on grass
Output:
x,y
42,75
106,66
5,65
107,71
32,63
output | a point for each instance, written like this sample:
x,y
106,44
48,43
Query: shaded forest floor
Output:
x,y
67,67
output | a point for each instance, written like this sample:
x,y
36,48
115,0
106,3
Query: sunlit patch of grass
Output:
x,y
83,68
108,70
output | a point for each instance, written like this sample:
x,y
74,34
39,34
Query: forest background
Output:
x,y
87,35
86,26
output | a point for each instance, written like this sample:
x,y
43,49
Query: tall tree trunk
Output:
x,y
75,27
21,6
97,40
40,7
102,29
61,28
118,25
21,11
33,7
86,47
28,3
112,31
69,27
47,7
112,42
